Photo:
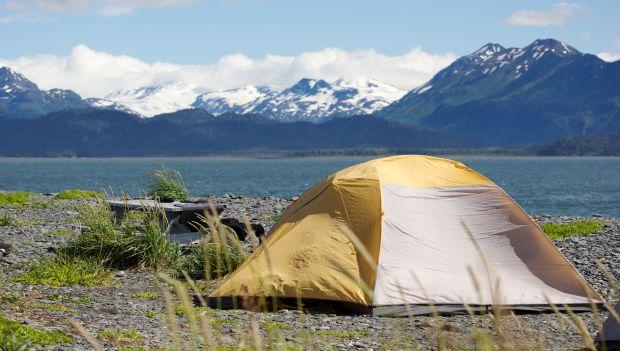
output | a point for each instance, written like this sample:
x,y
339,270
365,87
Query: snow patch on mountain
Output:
x,y
240,100
104,104
155,100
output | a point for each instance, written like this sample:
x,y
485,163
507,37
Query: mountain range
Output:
x,y
195,132
495,96
502,96
307,100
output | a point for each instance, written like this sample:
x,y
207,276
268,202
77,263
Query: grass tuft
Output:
x,y
274,218
54,307
136,240
15,198
197,310
78,194
270,326
145,295
7,220
167,185
566,230
63,271
15,335
61,232
120,337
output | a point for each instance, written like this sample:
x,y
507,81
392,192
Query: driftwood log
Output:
x,y
241,229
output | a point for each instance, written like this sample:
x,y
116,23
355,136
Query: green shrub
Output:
x,y
566,230
78,194
63,271
15,198
16,336
167,185
136,240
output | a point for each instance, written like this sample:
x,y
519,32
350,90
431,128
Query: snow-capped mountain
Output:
x,y
501,63
309,99
153,100
21,98
13,84
500,96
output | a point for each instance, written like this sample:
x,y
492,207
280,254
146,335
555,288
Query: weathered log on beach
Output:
x,y
240,228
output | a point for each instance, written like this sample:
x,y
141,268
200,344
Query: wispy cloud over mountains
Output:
x,y
96,73
558,15
38,10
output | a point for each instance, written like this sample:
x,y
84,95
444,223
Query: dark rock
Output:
x,y
5,246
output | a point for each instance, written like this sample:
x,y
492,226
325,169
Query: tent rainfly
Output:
x,y
405,235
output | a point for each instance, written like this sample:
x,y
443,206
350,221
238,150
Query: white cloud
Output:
x,y
115,10
609,57
29,10
95,73
556,16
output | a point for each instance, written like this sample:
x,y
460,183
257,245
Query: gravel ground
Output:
x,y
108,308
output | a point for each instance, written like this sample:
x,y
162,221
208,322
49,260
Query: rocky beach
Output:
x,y
131,314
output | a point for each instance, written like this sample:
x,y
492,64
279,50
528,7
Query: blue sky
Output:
x,y
201,32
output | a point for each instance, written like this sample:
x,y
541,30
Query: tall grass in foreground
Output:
x,y
200,328
218,253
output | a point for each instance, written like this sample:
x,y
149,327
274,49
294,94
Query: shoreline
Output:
x,y
284,157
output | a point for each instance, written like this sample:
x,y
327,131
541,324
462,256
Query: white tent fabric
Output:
x,y
424,240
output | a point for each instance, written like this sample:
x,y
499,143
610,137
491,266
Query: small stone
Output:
x,y
8,259
451,328
120,274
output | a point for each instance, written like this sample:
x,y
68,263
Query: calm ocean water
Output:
x,y
558,186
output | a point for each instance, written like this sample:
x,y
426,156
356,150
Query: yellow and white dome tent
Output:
x,y
405,234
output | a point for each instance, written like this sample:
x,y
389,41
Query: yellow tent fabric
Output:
x,y
370,233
